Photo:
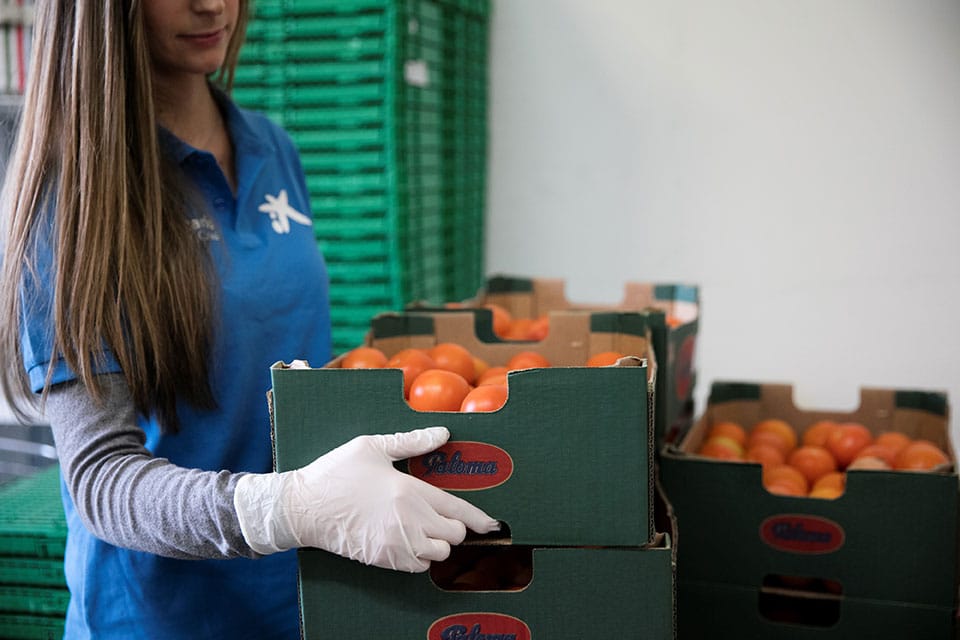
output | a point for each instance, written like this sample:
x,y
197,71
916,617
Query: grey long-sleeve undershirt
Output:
x,y
126,496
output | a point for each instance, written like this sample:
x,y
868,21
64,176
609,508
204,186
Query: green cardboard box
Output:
x,y
880,561
674,318
579,494
574,443
570,592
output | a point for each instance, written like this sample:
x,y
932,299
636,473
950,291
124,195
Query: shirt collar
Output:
x,y
242,132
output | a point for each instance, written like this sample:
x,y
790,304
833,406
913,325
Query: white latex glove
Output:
x,y
353,502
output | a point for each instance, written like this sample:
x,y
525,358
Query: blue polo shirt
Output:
x,y
273,305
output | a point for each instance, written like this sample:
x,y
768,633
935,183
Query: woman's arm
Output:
x,y
126,496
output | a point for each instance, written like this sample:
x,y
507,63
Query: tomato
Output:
x,y
364,358
502,319
812,461
454,357
527,360
847,440
781,428
412,362
920,455
480,367
497,377
488,397
491,372
539,329
519,329
784,479
876,450
438,390
765,454
604,359
730,429
895,440
816,434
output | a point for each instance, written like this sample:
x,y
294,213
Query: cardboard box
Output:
x,y
572,592
880,561
674,317
579,496
575,442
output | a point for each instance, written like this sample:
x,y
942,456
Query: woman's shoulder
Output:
x,y
259,128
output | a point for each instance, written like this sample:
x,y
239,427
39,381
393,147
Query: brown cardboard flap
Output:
x,y
569,343
549,294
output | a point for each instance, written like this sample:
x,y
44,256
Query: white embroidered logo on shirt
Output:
x,y
281,213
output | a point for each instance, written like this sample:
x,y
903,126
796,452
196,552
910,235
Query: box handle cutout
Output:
x,y
484,567
801,600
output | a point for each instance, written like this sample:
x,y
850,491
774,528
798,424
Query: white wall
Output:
x,y
798,159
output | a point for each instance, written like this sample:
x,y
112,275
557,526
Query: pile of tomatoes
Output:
x,y
814,464
448,377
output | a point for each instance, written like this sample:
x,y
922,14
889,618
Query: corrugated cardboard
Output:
x,y
888,544
581,491
674,317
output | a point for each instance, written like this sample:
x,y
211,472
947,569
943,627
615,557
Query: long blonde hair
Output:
x,y
126,262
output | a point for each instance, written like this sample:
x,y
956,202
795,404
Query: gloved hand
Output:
x,y
353,502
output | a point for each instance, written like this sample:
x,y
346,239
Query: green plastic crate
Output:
x,y
26,627
41,601
40,572
32,522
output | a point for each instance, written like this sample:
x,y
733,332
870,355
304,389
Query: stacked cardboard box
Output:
x,y
880,561
33,531
673,312
573,486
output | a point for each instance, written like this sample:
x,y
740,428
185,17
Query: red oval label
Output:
x,y
799,533
470,626
463,466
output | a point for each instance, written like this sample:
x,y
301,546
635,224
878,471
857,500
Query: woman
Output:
x,y
158,259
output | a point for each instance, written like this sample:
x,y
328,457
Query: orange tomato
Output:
x,y
519,329
412,362
364,358
816,434
729,429
771,438
488,397
539,329
454,357
895,440
785,476
868,462
834,479
604,358
480,367
438,390
502,318
491,372
780,427
766,454
499,377
812,461
877,450
825,493
527,360
721,447
847,440
920,455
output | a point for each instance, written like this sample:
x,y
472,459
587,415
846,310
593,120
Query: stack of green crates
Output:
x,y
386,102
33,533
